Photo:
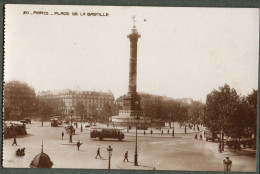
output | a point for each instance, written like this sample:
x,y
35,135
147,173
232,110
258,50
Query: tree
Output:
x,y
224,112
79,108
252,113
196,109
19,99
107,110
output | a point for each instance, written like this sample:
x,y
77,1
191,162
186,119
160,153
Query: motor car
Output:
x,y
210,135
23,121
54,122
28,120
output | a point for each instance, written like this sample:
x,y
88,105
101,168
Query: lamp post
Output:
x,y
81,129
173,125
136,155
41,109
227,164
71,113
110,150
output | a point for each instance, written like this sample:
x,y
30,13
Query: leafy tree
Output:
x,y
79,108
252,113
225,112
196,109
19,99
107,110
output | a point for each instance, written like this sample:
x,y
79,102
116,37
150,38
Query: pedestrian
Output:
x,y
200,137
126,157
14,142
162,132
62,135
79,144
144,132
168,131
151,132
196,136
98,153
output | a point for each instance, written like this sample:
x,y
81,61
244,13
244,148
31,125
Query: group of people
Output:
x,y
125,156
196,136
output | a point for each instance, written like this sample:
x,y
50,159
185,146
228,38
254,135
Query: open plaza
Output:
x,y
155,152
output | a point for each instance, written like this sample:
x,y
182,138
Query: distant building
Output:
x,y
92,101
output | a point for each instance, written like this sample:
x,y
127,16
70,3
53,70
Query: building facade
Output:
x,y
92,102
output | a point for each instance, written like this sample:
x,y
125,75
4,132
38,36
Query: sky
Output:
x,y
182,52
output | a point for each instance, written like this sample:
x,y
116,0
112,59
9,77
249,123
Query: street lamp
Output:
x,y
136,162
110,150
81,129
173,125
71,113
227,164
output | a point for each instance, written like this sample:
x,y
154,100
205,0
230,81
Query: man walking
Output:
x,y
126,157
79,144
98,153
62,135
14,142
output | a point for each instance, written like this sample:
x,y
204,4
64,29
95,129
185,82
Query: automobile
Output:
x,y
28,120
23,121
69,128
210,135
87,125
102,133
54,122
59,122
66,122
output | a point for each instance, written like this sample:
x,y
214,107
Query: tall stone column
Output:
x,y
133,60
132,100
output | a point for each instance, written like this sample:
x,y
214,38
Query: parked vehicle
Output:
x,y
102,133
23,121
54,122
210,135
28,121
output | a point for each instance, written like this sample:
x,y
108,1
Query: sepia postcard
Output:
x,y
135,88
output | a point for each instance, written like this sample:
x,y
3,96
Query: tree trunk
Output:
x,y
222,142
239,148
254,144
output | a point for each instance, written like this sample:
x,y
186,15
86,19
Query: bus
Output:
x,y
102,133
